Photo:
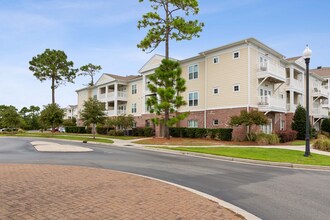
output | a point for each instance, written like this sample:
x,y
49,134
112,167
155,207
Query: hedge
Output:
x,y
143,132
75,129
288,135
224,134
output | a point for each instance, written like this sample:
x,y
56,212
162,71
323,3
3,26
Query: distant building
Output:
x,y
71,112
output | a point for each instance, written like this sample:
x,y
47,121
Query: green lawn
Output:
x,y
61,136
265,154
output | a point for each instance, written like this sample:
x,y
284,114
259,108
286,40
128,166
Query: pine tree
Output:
x,y
299,122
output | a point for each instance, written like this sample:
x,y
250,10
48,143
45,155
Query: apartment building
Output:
x,y
71,112
221,82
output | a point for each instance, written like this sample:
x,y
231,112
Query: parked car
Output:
x,y
61,129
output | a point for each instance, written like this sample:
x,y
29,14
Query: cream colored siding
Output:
x,y
135,98
225,74
194,85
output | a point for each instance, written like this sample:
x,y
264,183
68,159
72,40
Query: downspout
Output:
x,y
249,77
205,95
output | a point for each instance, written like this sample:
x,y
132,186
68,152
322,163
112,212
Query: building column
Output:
x,y
291,75
292,101
116,107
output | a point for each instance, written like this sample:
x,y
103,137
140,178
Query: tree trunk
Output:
x,y
53,101
94,131
166,129
167,32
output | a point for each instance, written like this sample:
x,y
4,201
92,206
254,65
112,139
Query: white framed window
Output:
x,y
193,71
236,88
134,89
193,99
192,124
216,91
215,122
134,125
134,108
215,60
236,55
282,125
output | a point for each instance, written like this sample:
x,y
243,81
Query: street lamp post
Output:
x,y
307,56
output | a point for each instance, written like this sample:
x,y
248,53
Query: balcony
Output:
x,y
319,92
325,104
288,107
270,103
110,113
101,96
270,72
318,112
296,85
121,112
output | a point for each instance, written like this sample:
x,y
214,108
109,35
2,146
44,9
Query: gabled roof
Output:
x,y
245,41
123,78
322,71
293,59
152,63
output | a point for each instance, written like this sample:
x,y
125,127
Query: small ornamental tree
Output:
x,y
125,121
299,122
167,83
93,113
90,70
52,115
248,119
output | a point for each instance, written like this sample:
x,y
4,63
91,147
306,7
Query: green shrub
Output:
x,y
143,132
102,130
286,136
322,144
299,123
75,129
265,139
148,132
116,133
225,134
325,125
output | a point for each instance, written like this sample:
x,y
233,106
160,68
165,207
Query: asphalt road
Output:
x,y
267,192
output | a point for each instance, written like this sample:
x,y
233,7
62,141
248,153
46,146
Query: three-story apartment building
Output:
x,y
221,82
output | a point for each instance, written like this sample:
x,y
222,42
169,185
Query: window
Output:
x,y
193,71
236,55
192,124
193,99
134,125
215,60
282,125
215,122
236,88
134,89
215,91
134,108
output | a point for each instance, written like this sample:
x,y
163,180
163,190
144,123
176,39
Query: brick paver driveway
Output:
x,y
66,192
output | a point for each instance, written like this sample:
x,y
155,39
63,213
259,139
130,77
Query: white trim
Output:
x,y
239,87
216,58
217,87
227,51
193,65
239,55
214,121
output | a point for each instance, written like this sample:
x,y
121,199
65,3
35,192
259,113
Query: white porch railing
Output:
x,y
110,112
321,112
121,112
121,94
270,69
319,91
102,96
295,84
271,103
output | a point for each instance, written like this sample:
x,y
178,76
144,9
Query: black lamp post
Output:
x,y
307,56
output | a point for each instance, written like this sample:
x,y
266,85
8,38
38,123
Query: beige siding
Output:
x,y
194,85
135,98
225,74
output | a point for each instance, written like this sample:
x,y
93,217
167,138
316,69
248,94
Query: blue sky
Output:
x,y
104,32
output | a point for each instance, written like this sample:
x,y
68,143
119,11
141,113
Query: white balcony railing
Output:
x,y
121,94
102,96
110,112
270,70
295,84
271,103
288,107
320,112
319,91
121,112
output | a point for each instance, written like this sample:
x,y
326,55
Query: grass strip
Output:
x,y
264,154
